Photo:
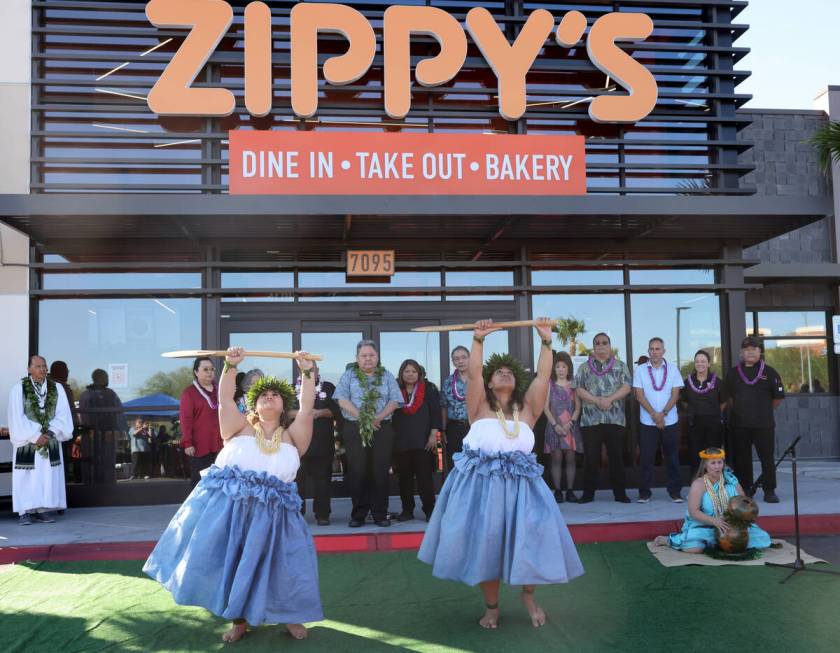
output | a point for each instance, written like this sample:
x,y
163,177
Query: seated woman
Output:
x,y
239,545
714,484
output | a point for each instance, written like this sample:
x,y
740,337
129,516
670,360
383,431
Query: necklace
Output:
x,y
209,399
501,417
268,445
743,374
454,383
606,369
710,384
40,391
664,376
720,498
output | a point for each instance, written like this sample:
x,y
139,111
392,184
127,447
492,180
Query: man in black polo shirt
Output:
x,y
754,391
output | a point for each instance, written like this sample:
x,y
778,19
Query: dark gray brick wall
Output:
x,y
816,419
785,164
809,296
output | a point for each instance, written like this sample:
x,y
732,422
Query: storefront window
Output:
x,y
577,278
277,282
791,323
687,322
119,281
672,277
597,312
399,280
478,279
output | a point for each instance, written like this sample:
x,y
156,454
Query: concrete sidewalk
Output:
x,y
819,494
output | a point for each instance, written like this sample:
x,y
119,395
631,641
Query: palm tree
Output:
x,y
826,142
567,330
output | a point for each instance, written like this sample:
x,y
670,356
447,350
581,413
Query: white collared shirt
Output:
x,y
658,398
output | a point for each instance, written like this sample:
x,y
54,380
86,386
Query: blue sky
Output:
x,y
783,36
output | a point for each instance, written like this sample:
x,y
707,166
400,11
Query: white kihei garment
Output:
x,y
243,452
41,488
487,434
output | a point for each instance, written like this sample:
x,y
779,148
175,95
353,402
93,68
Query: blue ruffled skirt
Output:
x,y
240,548
496,518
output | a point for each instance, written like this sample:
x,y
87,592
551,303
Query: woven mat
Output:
x,y
785,555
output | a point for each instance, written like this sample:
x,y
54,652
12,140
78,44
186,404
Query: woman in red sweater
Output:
x,y
200,433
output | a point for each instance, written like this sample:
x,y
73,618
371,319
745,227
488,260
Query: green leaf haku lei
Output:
x,y
43,416
367,411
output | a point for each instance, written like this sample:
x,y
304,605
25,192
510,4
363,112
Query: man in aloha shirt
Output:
x,y
453,403
602,383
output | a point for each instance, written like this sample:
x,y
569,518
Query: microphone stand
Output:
x,y
798,564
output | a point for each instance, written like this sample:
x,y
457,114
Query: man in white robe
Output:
x,y
39,420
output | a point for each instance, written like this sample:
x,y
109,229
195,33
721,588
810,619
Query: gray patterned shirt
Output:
x,y
603,386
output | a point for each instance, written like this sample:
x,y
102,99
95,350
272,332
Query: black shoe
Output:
x,y
677,498
405,515
643,498
586,498
322,521
428,516
25,519
47,518
558,496
622,498
770,497
382,523
571,497
356,523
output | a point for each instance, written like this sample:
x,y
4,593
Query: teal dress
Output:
x,y
696,535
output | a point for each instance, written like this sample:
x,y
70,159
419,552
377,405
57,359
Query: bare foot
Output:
x,y
235,633
534,609
490,620
661,540
298,631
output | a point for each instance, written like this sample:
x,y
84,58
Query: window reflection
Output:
x,y
277,281
338,349
792,323
686,322
119,281
399,280
801,362
491,279
267,341
597,312
397,346
672,277
577,278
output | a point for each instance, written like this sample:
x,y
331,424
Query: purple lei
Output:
x,y
454,381
664,376
742,374
607,368
703,391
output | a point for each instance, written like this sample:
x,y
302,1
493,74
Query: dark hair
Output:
x,y
417,366
59,371
703,352
656,339
600,333
198,361
452,353
562,357
31,356
239,393
99,377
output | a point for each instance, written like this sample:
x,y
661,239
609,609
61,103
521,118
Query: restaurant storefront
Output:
x,y
135,246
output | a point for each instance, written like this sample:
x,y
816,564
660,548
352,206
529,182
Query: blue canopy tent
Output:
x,y
159,405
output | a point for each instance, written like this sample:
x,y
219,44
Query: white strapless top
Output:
x,y
487,434
243,452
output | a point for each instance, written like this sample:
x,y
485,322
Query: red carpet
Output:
x,y
782,526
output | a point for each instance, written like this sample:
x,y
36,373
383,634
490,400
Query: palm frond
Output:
x,y
826,142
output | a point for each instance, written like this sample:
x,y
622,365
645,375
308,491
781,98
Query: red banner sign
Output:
x,y
362,163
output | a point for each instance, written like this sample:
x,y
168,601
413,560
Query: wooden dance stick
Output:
x,y
192,353
470,327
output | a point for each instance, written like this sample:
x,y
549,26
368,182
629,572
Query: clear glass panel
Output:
x,y
801,362
597,312
493,279
495,343
399,280
124,337
397,346
119,281
577,277
791,323
338,350
277,281
672,277
270,341
686,322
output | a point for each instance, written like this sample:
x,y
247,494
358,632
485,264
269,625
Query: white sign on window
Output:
x,y
118,375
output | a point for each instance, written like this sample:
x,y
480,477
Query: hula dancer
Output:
x,y
239,545
495,519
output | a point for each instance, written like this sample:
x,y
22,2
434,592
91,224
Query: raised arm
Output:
x,y
231,421
476,398
538,390
301,429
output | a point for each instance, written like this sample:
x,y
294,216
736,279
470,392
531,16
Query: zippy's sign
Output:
x,y
209,21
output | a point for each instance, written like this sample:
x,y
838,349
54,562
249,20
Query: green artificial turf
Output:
x,y
389,601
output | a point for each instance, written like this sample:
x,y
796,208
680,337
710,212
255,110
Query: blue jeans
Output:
x,y
649,437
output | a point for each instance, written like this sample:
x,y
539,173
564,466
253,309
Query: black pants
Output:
x,y
416,464
367,470
320,469
650,438
455,433
704,431
763,439
140,464
593,438
199,463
